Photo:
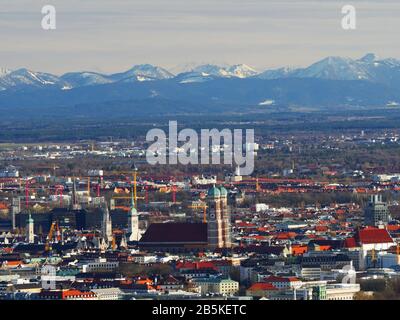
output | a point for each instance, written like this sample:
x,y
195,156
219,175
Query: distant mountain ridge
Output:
x,y
330,82
369,68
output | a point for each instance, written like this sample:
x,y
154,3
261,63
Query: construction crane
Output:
x,y
135,171
54,230
201,206
113,243
125,208
258,187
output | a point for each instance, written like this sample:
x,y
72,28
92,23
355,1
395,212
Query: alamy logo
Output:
x,y
49,19
350,274
349,20
213,142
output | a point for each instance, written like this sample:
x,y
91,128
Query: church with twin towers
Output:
x,y
191,236
218,218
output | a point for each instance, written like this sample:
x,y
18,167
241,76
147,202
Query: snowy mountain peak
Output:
x,y
25,77
143,72
277,73
369,57
211,70
367,68
86,78
336,68
241,71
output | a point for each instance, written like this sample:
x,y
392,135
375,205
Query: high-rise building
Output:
x,y
218,218
16,209
376,212
133,222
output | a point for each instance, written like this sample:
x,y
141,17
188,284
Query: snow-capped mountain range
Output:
x,y
368,68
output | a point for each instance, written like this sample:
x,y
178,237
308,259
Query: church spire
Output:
x,y
133,207
133,222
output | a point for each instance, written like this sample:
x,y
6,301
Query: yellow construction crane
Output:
x,y
54,228
125,208
201,206
135,196
135,171
258,187
113,243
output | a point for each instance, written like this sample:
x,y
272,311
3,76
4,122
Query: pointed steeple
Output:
x,y
133,207
75,204
124,243
133,222
107,224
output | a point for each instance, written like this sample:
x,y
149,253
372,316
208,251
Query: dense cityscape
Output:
x,y
199,158
92,220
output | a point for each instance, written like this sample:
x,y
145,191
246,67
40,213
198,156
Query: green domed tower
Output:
x,y
214,192
223,192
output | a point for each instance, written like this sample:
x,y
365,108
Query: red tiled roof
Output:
x,y
77,293
245,225
285,235
373,235
299,250
391,227
195,265
144,281
350,243
262,286
321,228
255,237
325,248
13,263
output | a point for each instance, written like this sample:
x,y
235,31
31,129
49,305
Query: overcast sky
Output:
x,y
111,36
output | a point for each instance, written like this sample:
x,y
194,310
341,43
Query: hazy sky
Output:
x,y
113,35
